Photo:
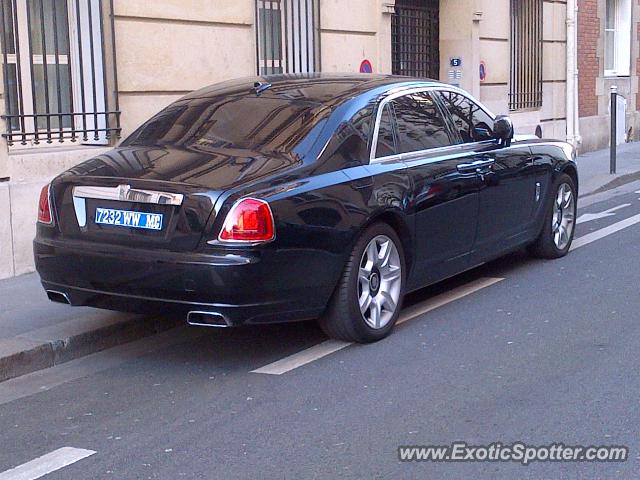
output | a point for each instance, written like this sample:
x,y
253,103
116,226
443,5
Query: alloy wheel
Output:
x,y
379,282
563,220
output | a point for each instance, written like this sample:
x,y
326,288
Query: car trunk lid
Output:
x,y
150,214
174,187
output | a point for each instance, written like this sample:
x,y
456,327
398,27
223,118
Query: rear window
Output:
x,y
242,122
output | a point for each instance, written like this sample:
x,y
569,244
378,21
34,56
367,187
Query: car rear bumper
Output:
x,y
238,288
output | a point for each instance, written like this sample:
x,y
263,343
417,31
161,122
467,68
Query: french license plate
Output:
x,y
126,218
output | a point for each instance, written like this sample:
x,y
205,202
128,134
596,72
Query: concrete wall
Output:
x,y
355,31
6,236
29,171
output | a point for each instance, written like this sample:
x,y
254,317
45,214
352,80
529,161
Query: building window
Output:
x,y
57,78
287,37
617,38
525,87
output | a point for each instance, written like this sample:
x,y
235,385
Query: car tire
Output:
x,y
560,216
347,316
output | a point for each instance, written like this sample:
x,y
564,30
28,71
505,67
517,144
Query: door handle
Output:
x,y
478,166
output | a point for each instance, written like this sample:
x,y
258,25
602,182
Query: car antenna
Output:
x,y
260,87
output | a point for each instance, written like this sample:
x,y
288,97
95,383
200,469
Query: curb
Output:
x,y
22,355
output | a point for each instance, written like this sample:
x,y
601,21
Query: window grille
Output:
x,y
60,81
287,37
525,88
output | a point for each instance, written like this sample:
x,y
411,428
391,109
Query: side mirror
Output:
x,y
482,132
503,130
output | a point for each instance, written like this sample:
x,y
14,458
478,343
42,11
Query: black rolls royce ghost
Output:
x,y
297,197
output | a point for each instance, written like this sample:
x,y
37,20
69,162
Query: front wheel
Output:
x,y
368,299
560,221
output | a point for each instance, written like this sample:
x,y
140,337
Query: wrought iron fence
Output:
x,y
415,38
525,87
60,80
287,36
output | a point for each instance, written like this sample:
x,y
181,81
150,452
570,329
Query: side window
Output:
x,y
472,123
386,144
420,123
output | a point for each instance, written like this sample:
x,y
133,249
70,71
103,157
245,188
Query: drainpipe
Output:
x,y
573,123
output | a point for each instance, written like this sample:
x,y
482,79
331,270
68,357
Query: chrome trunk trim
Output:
x,y
124,193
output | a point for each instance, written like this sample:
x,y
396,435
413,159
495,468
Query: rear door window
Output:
x,y
420,123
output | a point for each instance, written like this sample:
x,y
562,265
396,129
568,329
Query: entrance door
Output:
x,y
415,38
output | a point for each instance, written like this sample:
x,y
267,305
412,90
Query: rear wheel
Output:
x,y
368,299
559,223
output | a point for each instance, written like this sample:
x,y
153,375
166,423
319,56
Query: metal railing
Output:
x,y
287,36
60,80
415,38
525,87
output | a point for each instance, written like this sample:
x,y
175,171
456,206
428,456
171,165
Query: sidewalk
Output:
x,y
36,333
593,169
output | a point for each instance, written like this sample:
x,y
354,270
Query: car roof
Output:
x,y
319,88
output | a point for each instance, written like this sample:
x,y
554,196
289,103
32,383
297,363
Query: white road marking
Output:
x,y
302,358
588,217
46,464
330,346
604,232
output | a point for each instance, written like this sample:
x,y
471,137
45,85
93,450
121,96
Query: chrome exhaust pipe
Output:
x,y
207,319
58,297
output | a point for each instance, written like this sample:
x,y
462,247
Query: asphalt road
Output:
x,y
546,351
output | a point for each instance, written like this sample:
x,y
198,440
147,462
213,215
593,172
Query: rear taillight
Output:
x,y
44,207
250,220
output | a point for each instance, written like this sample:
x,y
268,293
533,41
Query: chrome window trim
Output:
x,y
124,193
418,154
408,91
